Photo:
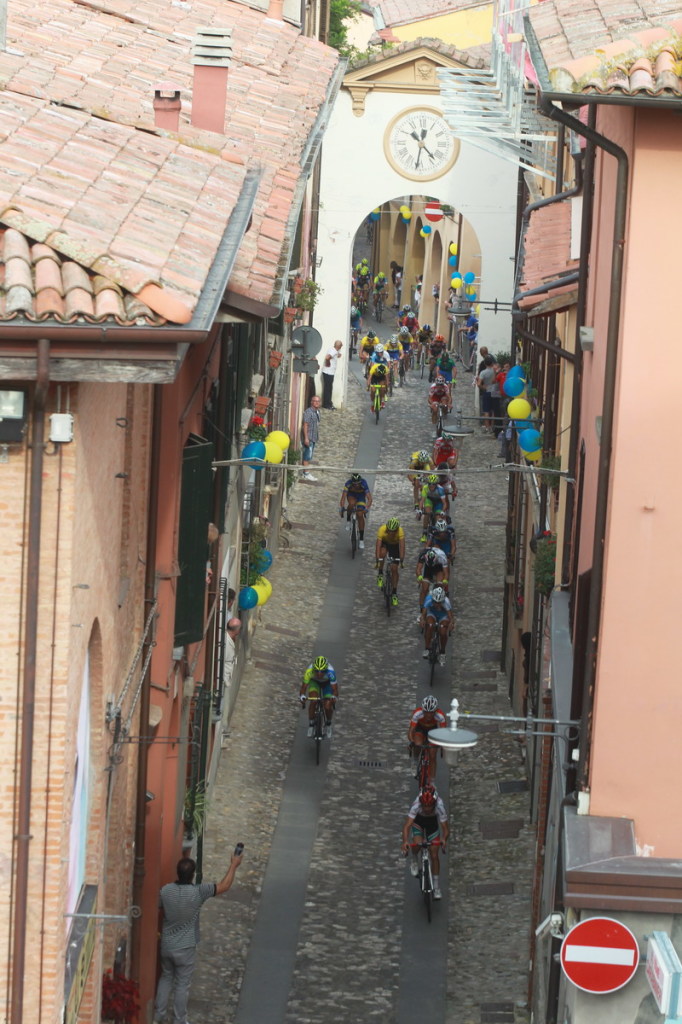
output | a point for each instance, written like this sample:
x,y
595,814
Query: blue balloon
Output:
x,y
453,261
248,598
513,386
516,371
254,450
530,440
469,277
523,424
263,560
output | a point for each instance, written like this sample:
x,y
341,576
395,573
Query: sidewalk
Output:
x,y
356,954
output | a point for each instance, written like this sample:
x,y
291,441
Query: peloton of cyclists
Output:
x,y
390,543
319,681
437,614
356,495
423,719
427,819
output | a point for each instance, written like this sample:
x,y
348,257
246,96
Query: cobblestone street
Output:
x,y
360,917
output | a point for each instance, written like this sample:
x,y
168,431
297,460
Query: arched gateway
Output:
x,y
366,165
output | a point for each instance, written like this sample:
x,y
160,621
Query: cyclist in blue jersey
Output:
x,y
319,680
433,500
441,534
356,495
437,614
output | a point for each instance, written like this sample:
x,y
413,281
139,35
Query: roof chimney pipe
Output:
x,y
167,106
212,54
276,10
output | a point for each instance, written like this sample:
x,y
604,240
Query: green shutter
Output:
x,y
195,509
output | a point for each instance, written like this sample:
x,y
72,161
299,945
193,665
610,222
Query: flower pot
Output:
x,y
291,313
275,358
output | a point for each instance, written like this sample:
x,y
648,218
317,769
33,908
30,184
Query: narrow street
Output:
x,y
324,923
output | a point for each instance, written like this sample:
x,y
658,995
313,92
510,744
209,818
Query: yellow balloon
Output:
x,y
408,215
273,452
533,456
378,210
263,588
453,248
280,438
404,209
518,409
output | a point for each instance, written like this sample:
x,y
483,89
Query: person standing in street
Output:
x,y
181,902
310,435
328,373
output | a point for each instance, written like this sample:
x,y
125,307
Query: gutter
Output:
x,y
23,836
548,107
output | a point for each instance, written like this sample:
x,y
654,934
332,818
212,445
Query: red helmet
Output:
x,y
427,797
439,337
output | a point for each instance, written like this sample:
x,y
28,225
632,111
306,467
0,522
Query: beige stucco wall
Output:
x,y
637,756
469,27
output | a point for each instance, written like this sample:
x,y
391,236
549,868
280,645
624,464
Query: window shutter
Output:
x,y
195,506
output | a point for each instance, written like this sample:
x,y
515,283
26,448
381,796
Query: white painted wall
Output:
x,y
356,178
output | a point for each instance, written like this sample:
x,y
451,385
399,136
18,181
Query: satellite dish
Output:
x,y
306,341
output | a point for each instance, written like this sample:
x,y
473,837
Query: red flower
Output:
x,y
120,997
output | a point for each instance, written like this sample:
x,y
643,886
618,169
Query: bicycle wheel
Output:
x,y
427,883
390,380
439,422
319,730
434,651
423,768
379,311
401,374
377,405
422,362
388,587
353,536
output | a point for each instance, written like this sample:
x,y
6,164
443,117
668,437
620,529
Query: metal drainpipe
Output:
x,y
145,736
612,333
23,836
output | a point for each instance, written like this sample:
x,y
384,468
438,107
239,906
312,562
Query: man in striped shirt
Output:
x,y
181,902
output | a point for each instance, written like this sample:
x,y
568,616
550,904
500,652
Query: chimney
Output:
x,y
276,10
167,106
211,59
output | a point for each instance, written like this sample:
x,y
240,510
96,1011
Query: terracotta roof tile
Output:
x,y
628,47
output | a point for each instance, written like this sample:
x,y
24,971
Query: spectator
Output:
x,y
181,902
328,374
310,434
397,279
484,382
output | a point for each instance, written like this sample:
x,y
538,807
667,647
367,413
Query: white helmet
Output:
x,y
379,349
438,594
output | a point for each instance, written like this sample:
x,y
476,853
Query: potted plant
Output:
x,y
256,430
274,358
307,295
120,998
545,563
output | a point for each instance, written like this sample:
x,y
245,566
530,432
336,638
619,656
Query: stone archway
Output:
x,y
479,185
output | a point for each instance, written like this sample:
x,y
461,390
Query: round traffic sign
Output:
x,y
433,211
599,955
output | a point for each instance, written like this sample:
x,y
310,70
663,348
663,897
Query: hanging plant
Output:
x,y
194,811
256,430
120,998
545,563
307,296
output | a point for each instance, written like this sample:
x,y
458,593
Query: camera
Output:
x,y
239,849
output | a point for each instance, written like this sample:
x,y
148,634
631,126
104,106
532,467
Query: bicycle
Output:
x,y
319,725
423,770
425,875
378,308
376,400
353,533
434,652
422,359
353,342
401,372
387,587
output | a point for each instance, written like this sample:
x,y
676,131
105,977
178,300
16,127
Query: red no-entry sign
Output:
x,y
433,211
599,955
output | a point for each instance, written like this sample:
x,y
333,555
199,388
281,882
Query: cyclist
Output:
x,y
410,321
432,568
426,819
355,325
378,376
394,351
446,477
441,536
444,451
356,495
425,718
445,366
379,284
422,461
439,395
391,542
437,614
367,346
433,500
319,680
364,277
436,347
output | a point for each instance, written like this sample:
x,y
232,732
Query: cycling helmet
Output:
x,y
423,455
432,478
356,477
407,308
429,703
427,797
392,524
439,337
379,349
440,380
410,316
426,327
380,370
440,524
430,557
438,594
381,274
371,335
404,330
365,261
320,663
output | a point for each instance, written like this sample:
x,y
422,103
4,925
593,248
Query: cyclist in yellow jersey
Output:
x,y
418,460
378,375
367,346
391,542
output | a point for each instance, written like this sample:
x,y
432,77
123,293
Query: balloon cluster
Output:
x,y
519,410
406,214
375,214
271,450
259,593
425,231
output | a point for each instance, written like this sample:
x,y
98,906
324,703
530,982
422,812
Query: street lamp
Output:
x,y
12,416
453,739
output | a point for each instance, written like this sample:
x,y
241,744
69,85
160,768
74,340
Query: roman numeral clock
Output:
x,y
419,144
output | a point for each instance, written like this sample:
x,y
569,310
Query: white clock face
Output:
x,y
420,145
